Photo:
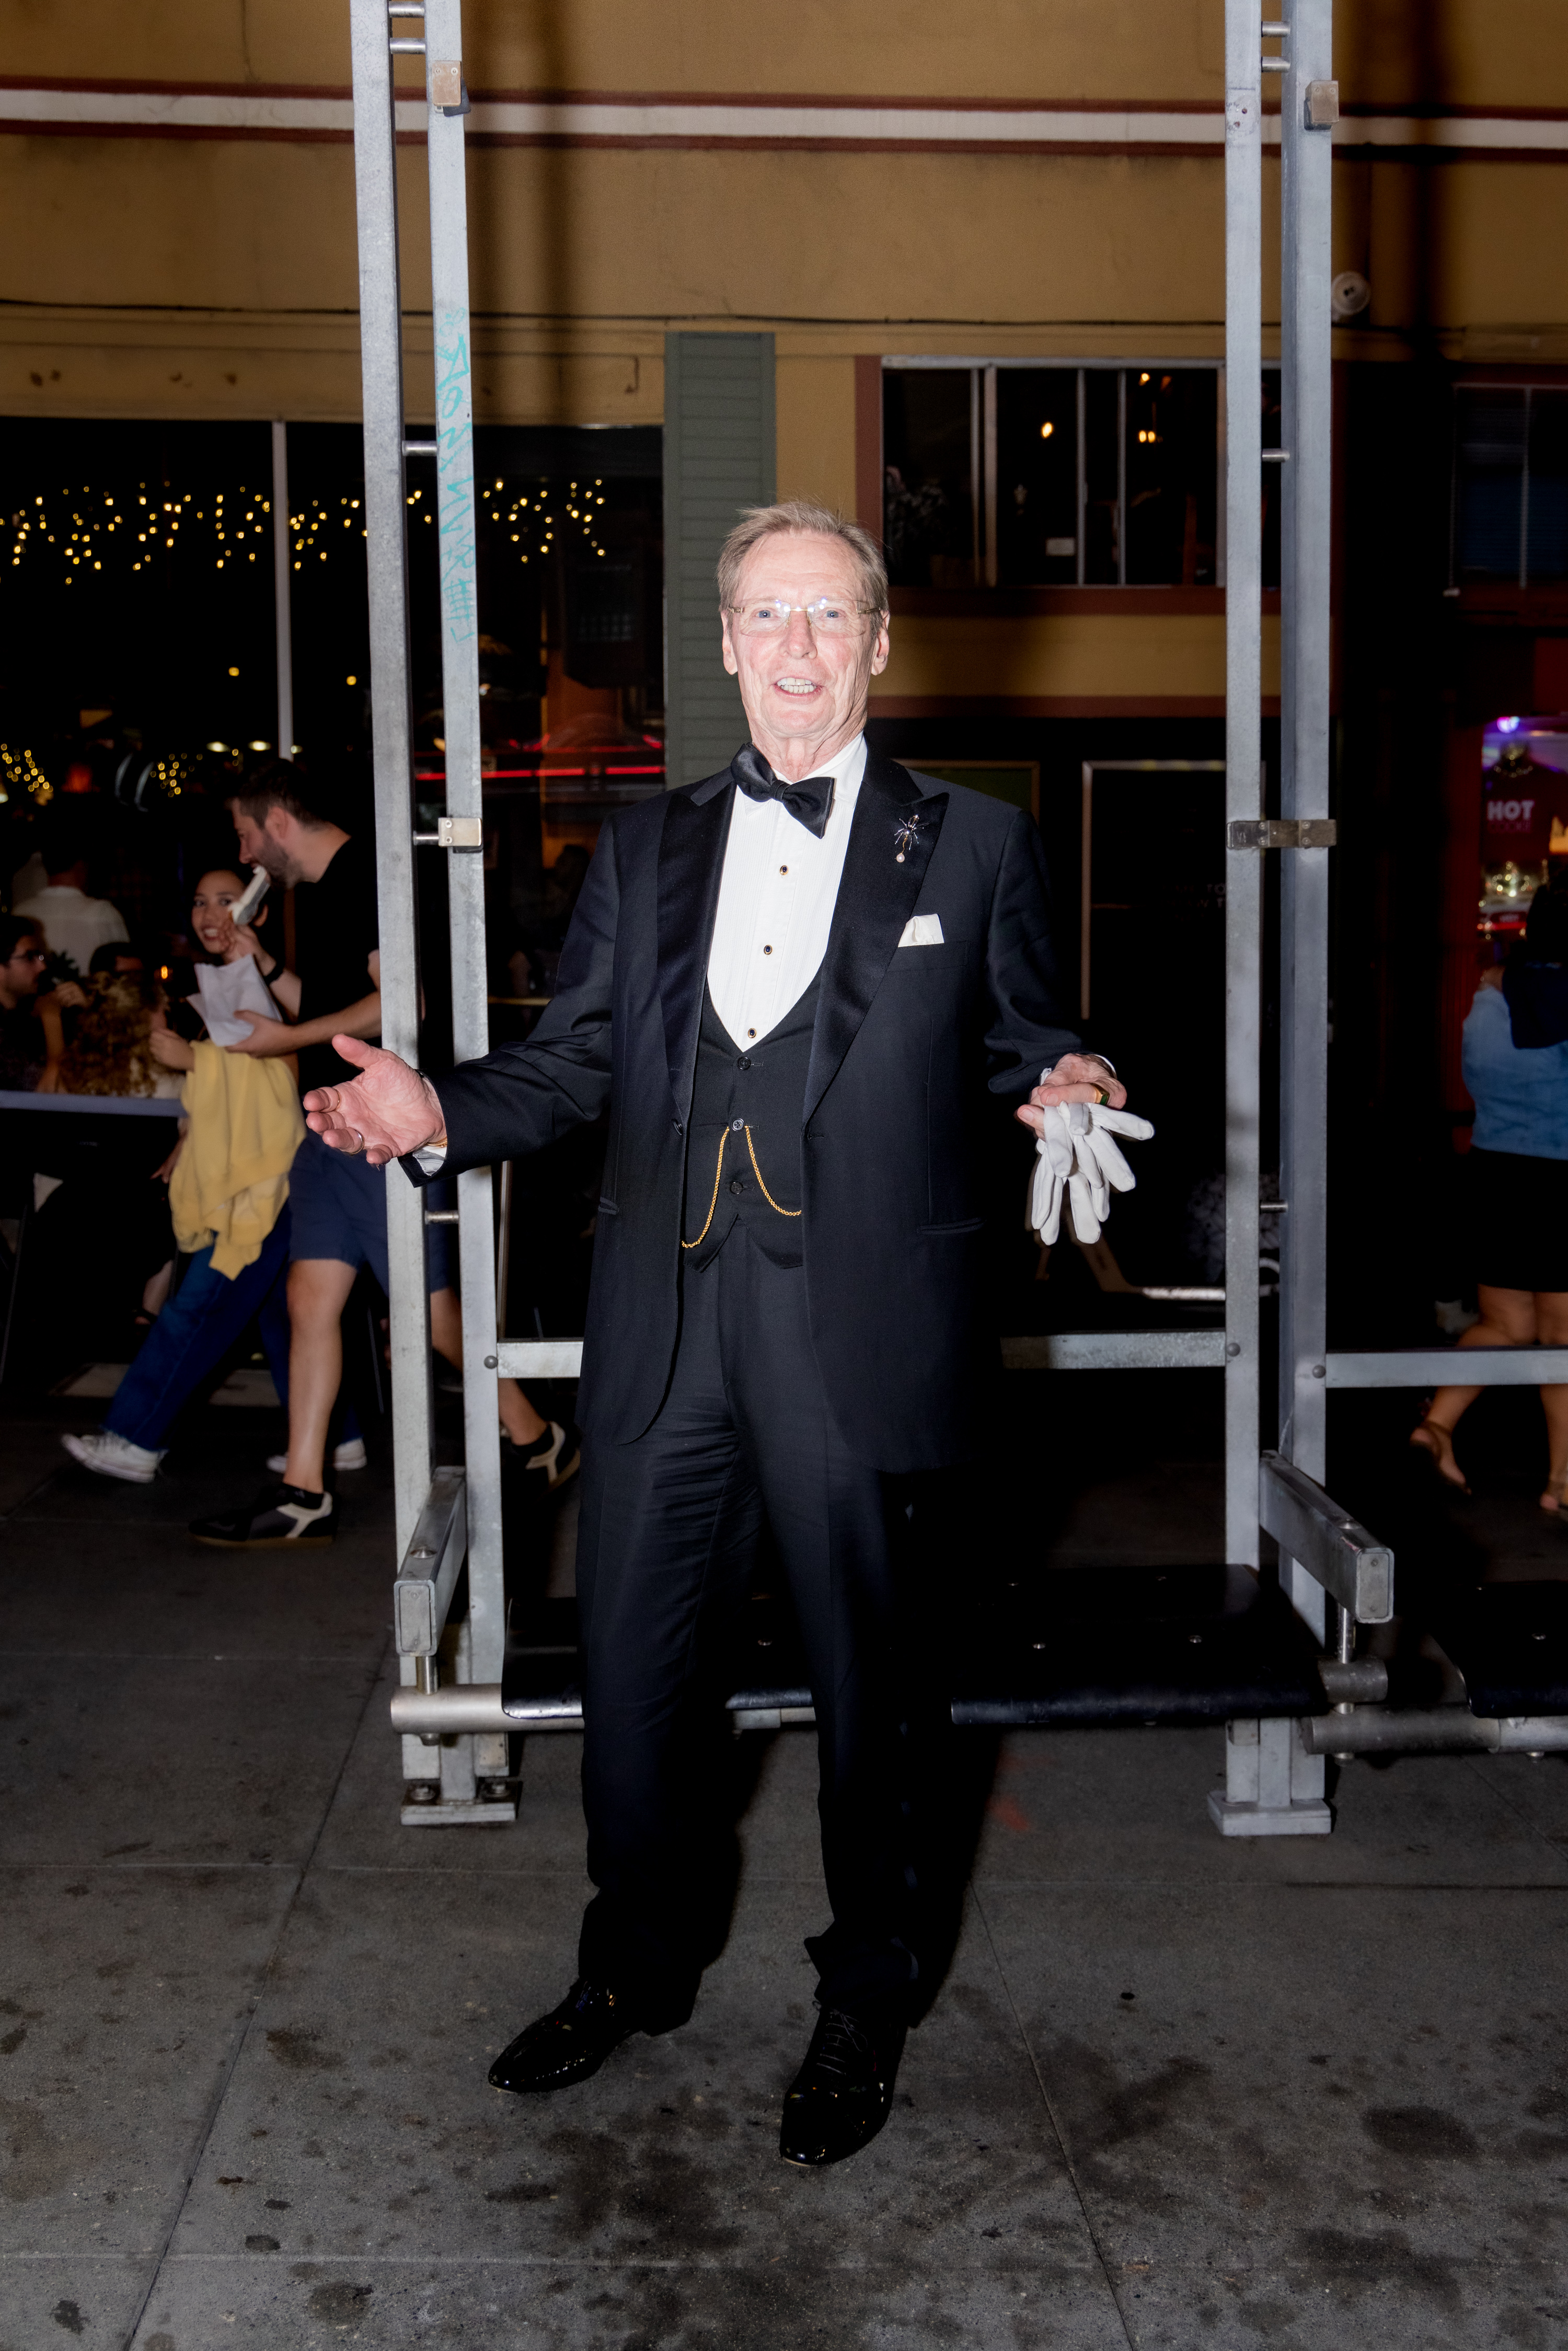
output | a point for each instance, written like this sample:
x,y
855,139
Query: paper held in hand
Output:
x,y
226,989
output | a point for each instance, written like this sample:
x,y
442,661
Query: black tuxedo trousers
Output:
x,y
668,1542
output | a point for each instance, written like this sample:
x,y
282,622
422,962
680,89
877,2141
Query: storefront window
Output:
x,y
1037,474
1510,484
1171,477
929,466
999,475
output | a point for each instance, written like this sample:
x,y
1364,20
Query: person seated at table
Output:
x,y
228,1177
32,1032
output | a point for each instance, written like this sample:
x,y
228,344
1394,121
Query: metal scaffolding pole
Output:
x,y
1306,166
281,601
380,351
466,841
454,1779
1243,768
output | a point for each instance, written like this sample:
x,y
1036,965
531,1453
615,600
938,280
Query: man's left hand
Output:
x,y
266,1037
1077,1077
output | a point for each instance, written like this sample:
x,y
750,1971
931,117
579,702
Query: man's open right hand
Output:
x,y
385,1114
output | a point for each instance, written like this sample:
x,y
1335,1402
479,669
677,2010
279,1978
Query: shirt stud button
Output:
x,y
783,869
766,950
751,1032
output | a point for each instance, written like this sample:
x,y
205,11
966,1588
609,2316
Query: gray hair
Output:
x,y
797,519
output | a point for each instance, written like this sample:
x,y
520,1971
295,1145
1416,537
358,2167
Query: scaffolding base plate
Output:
x,y
1232,1818
476,1812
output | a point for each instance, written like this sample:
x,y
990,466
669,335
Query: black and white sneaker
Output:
x,y
280,1517
558,1453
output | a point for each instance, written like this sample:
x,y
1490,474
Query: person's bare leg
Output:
x,y
1508,1319
1552,1322
318,1290
518,1418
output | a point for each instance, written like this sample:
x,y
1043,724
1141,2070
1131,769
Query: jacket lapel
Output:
x,y
877,894
691,861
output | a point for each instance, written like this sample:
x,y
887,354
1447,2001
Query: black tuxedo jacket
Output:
x,y
906,1040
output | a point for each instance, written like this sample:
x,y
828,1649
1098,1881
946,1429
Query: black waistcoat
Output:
x,y
751,1101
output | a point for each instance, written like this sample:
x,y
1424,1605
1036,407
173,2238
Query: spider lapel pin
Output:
x,y
906,833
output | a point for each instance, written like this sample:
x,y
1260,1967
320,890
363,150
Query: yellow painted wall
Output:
x,y
1067,48
1480,52
815,402
1068,656
212,277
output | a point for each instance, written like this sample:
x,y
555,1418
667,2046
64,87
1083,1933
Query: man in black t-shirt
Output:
x,y
337,1204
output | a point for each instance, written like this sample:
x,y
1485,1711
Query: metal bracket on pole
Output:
x,y
1285,832
1352,1567
428,1576
453,832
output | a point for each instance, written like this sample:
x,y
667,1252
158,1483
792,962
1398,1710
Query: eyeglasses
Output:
x,y
28,955
826,616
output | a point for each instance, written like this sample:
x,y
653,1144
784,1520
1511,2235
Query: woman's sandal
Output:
x,y
1437,1442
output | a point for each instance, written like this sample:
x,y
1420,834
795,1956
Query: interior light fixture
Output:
x,y
1046,431
350,681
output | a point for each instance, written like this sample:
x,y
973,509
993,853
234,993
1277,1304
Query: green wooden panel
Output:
x,y
720,456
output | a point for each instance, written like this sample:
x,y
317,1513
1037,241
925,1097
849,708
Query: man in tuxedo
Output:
x,y
790,985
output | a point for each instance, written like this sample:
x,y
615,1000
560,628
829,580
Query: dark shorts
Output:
x,y
1518,1220
338,1207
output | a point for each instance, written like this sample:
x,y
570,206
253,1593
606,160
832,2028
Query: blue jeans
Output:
x,y
196,1329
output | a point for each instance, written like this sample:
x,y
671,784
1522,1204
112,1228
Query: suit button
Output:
x,y
744,1062
736,1185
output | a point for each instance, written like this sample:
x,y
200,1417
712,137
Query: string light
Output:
x,y
20,772
535,520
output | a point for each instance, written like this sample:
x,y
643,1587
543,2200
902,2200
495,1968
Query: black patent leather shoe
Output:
x,y
569,2044
843,2095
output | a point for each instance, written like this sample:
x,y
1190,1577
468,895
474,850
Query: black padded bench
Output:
x,y
1509,1644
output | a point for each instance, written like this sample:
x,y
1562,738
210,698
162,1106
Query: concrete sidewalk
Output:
x,y
1175,2091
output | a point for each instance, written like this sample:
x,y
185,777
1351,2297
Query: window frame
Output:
x,y
983,372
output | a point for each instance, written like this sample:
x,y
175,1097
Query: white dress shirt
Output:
x,y
776,901
73,923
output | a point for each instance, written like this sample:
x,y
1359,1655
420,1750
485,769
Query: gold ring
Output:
x,y
1101,1096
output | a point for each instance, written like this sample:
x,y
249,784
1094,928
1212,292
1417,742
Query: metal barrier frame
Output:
x,y
456,1755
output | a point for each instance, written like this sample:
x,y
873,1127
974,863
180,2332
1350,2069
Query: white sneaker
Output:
x,y
350,1456
114,1456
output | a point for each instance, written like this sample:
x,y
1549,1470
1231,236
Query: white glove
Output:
x,y
1077,1155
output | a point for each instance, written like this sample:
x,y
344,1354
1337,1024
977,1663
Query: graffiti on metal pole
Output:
x,y
454,471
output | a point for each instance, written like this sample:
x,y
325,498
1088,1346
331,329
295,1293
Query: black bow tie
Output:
x,y
808,802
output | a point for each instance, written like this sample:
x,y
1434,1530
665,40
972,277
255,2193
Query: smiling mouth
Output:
x,y
800,685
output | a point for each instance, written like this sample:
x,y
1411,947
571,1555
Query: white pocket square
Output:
x,y
923,931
